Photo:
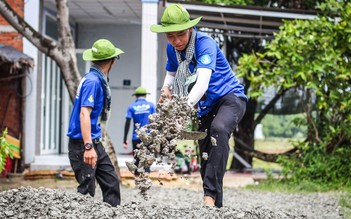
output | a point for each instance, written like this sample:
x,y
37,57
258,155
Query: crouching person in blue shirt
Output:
x,y
217,92
87,156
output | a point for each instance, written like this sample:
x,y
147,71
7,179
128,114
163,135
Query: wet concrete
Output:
x,y
159,138
29,202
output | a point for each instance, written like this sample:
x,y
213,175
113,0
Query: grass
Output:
x,y
345,202
303,186
273,144
264,165
342,193
270,145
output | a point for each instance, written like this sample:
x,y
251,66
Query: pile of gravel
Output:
x,y
28,202
159,138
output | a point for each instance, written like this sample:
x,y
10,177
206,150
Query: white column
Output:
x,y
149,48
29,143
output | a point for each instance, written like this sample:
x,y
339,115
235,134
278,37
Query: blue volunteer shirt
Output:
x,y
139,111
90,93
208,55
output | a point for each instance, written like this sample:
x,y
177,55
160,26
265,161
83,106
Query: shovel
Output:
x,y
192,135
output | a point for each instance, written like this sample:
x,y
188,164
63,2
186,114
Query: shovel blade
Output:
x,y
192,135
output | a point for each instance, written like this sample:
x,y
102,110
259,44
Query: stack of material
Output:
x,y
48,174
159,138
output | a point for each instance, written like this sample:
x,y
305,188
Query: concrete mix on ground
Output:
x,y
29,202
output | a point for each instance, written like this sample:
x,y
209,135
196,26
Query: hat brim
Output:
x,y
156,28
88,55
134,94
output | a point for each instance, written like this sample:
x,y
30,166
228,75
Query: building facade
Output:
x,y
47,107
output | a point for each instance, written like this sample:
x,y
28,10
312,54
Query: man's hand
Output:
x,y
125,145
90,157
165,90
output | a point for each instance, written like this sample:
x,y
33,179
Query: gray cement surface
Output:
x,y
29,202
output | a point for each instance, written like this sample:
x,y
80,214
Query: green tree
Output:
x,y
5,150
226,2
282,126
314,56
294,4
236,47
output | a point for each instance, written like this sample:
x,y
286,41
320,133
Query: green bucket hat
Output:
x,y
102,49
174,18
140,91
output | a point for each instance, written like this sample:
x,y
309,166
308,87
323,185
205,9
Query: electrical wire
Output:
x,y
20,76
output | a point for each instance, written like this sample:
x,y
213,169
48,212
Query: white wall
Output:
x,y
149,49
127,38
30,140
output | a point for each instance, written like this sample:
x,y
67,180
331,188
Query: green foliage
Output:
x,y
5,150
227,2
300,4
283,126
345,202
314,164
273,184
312,55
274,143
266,166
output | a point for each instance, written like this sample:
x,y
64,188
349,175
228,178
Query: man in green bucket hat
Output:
x,y
196,68
87,156
139,112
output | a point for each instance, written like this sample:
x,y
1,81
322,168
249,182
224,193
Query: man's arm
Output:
x,y
200,87
126,130
168,82
90,156
85,124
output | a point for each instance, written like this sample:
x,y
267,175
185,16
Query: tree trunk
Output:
x,y
67,59
246,149
245,133
107,143
244,137
62,52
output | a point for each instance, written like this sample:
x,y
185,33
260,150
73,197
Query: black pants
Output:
x,y
104,172
219,123
135,143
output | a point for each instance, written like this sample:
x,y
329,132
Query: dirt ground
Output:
x,y
180,198
188,181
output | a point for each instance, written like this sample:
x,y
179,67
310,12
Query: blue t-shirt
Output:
x,y
139,111
90,93
208,55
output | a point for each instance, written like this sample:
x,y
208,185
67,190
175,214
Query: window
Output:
x,y
55,101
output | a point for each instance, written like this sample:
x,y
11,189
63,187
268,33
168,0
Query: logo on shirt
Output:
x,y
205,59
144,108
91,99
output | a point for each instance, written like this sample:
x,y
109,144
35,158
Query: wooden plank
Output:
x,y
15,146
